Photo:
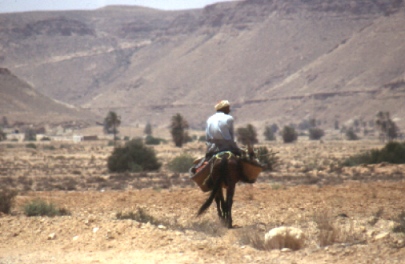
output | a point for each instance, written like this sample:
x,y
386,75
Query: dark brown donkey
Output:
x,y
226,172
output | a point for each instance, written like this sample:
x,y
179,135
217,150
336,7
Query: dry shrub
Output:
x,y
140,216
332,231
400,223
376,216
214,229
70,184
181,163
39,207
327,232
7,197
253,238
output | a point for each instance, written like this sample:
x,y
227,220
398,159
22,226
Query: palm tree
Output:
x,y
111,124
178,127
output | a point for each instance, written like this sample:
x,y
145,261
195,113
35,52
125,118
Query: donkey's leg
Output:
x,y
230,191
219,199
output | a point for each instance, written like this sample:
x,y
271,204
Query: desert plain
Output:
x,y
348,214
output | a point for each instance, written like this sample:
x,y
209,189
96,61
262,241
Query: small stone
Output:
x,y
52,236
75,238
382,236
286,250
162,227
95,230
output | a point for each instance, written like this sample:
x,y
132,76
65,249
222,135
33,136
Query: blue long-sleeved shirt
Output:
x,y
219,127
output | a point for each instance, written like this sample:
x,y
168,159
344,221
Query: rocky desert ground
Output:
x,y
348,215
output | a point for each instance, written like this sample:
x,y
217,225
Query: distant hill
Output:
x,y
276,61
19,102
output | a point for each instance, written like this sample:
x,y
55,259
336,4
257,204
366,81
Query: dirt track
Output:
x,y
362,206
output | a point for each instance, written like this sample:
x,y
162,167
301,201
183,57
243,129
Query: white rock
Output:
x,y
95,229
52,236
382,236
285,237
75,238
161,227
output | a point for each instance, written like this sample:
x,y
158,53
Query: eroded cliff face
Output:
x,y
283,59
20,103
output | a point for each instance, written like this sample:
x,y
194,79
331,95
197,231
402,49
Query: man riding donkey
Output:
x,y
219,134
224,164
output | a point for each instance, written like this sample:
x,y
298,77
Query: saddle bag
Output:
x,y
200,174
251,169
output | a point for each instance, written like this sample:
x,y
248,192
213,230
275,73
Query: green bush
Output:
x,y
7,200
3,135
269,133
315,133
178,130
31,145
247,135
289,134
393,152
30,135
39,207
150,140
267,158
351,135
141,216
134,157
49,147
181,163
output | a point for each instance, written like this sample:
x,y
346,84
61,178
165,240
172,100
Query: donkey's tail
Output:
x,y
217,185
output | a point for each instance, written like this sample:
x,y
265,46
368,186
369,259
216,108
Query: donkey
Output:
x,y
227,171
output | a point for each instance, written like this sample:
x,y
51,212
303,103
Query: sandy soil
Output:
x,y
361,206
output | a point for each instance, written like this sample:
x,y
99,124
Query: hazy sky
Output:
x,y
30,5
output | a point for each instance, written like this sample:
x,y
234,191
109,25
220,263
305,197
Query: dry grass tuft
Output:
x,y
140,216
7,200
327,231
214,229
253,237
331,231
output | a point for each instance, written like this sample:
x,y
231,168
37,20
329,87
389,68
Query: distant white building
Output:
x,y
77,138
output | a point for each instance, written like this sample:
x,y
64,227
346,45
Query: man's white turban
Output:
x,y
222,104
